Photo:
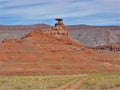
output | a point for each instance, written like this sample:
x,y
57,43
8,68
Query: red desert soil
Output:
x,y
38,53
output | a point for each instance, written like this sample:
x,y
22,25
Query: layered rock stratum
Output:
x,y
83,34
38,53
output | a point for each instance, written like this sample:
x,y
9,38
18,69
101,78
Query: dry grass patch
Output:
x,y
35,82
101,81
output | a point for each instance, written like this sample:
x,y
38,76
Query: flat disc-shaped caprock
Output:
x,y
59,19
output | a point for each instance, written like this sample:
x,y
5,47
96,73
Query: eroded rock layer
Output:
x,y
58,30
38,53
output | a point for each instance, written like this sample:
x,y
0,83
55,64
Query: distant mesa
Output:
x,y
112,47
59,29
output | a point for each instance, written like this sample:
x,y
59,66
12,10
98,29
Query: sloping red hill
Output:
x,y
38,53
36,41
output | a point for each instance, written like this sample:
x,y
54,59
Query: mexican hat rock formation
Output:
x,y
42,53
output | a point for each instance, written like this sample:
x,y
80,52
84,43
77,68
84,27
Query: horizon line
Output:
x,y
52,25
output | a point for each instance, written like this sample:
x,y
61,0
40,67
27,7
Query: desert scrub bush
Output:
x,y
34,82
101,81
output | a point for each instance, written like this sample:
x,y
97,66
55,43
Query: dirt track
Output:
x,y
71,85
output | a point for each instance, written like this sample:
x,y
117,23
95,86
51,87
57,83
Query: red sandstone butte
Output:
x,y
39,53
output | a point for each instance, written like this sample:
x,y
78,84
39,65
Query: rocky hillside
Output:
x,y
95,35
86,35
15,32
38,53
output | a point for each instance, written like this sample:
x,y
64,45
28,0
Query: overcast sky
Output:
x,y
90,12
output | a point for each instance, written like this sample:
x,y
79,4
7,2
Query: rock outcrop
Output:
x,y
58,30
39,53
114,47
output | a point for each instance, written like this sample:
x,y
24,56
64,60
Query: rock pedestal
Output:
x,y
58,29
